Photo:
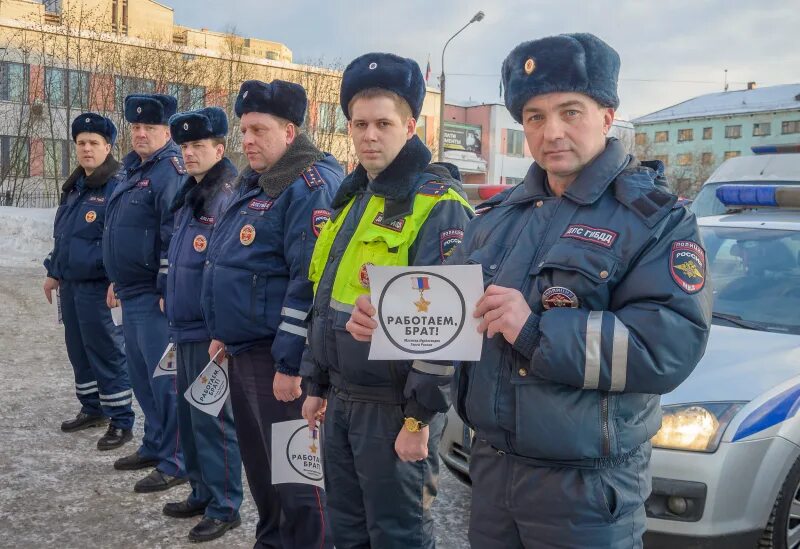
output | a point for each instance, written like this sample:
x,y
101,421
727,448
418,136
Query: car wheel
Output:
x,y
783,528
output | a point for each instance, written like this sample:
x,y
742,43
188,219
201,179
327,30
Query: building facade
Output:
x,y
694,137
59,58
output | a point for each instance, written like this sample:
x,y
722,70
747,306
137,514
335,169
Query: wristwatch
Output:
x,y
413,425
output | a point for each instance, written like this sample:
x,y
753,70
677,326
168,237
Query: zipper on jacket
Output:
x,y
604,423
253,297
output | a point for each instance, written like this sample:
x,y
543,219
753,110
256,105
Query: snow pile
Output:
x,y
26,234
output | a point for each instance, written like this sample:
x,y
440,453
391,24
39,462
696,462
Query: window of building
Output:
x,y
685,159
55,86
663,158
641,138
790,126
708,133
685,135
114,15
515,140
733,132
189,97
125,86
331,118
662,137
124,27
56,158
732,154
78,90
14,82
683,185
14,156
761,129
707,159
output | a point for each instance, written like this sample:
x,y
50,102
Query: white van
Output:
x,y
759,168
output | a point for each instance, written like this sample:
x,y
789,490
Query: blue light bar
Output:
x,y
775,149
747,195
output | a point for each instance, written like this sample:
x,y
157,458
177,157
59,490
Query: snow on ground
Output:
x,y
56,489
26,234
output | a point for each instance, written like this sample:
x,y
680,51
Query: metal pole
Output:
x,y
477,17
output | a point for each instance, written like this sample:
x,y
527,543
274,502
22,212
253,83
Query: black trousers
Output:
x,y
290,516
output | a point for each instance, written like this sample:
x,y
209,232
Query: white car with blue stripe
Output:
x,y
726,462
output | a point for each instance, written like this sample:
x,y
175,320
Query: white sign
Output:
x,y
210,390
168,364
426,312
296,454
59,318
116,315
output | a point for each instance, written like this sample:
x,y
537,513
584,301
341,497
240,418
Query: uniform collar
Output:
x,y
99,177
590,184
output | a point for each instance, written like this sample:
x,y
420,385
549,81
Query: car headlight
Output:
x,y
696,427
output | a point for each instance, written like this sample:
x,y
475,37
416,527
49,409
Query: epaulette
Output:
x,y
177,163
433,188
641,191
313,177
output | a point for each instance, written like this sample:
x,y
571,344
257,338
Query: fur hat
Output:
x,y
579,63
279,98
199,124
387,72
152,108
90,122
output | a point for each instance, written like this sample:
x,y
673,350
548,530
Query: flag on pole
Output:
x,y
428,70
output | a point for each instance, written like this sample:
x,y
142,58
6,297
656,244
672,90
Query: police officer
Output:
x,y
210,448
256,295
596,303
384,419
75,269
135,245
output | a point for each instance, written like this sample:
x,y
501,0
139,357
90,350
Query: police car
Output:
x,y
726,462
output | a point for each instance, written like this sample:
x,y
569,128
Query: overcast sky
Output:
x,y
671,50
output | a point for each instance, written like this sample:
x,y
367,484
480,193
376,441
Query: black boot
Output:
x,y
134,461
182,509
83,421
114,438
211,528
157,481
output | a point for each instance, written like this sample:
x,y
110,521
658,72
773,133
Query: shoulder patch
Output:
x,y
448,240
313,177
177,163
318,219
687,265
433,188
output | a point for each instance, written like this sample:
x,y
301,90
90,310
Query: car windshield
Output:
x,y
755,275
706,202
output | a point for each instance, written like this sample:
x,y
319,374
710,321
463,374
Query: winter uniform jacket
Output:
x,y
614,272
78,229
140,222
197,208
255,282
335,357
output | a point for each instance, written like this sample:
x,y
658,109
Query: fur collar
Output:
x,y
99,177
198,195
300,155
396,182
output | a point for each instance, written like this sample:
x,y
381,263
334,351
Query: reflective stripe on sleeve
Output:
x,y
292,329
591,375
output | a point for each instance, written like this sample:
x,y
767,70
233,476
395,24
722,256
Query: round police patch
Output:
x,y
559,296
687,265
91,215
200,243
247,235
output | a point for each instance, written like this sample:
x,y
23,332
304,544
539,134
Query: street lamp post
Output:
x,y
475,18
